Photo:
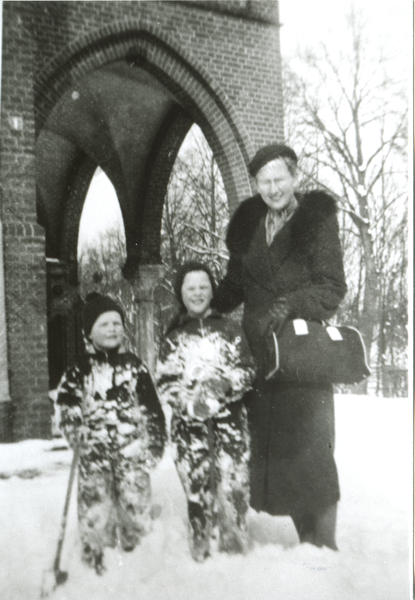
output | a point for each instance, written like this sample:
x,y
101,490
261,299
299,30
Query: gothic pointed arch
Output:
x,y
159,89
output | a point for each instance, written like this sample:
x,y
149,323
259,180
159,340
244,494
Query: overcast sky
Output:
x,y
308,22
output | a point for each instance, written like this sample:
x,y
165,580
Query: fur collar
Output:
x,y
314,207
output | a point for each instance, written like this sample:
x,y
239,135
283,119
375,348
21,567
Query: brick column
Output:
x,y
144,284
6,413
24,239
4,376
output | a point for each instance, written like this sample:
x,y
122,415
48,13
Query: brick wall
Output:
x,y
228,69
223,57
24,243
242,55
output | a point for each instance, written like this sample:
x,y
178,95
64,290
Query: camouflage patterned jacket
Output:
x,y
110,404
208,357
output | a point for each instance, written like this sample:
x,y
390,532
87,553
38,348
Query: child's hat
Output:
x,y
189,267
96,305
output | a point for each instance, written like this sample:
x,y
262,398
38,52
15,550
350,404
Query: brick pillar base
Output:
x,y
6,422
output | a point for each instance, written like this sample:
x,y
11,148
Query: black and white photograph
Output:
x,y
206,300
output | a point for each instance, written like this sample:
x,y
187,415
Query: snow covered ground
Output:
x,y
374,458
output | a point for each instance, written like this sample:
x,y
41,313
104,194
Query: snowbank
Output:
x,y
374,458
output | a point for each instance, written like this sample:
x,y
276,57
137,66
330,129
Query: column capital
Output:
x,y
146,280
144,283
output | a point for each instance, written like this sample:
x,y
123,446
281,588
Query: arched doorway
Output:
x,y
128,117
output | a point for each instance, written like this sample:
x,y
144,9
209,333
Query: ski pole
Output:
x,y
61,576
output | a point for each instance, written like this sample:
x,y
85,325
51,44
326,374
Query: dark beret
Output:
x,y
96,305
268,153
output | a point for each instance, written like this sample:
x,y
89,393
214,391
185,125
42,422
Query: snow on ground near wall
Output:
x,y
374,459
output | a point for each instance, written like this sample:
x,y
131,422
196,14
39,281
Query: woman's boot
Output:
x,y
318,528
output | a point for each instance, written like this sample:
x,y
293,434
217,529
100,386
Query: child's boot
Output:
x,y
199,532
94,559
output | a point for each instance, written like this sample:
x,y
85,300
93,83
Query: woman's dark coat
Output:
x,y
292,426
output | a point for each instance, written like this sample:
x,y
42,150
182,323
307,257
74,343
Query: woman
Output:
x,y
286,262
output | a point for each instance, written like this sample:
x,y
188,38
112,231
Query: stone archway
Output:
x,y
129,117
216,64
84,119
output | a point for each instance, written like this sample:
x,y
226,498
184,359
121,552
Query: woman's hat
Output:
x,y
96,305
268,153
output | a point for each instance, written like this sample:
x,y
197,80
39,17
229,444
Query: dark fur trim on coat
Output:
x,y
314,208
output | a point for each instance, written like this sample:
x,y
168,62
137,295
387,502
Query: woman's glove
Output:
x,y
278,316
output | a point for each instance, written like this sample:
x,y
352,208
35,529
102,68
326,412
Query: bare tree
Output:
x,y
195,216
349,116
100,262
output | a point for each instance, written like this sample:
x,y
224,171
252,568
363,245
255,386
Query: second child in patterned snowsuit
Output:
x,y
205,369
109,407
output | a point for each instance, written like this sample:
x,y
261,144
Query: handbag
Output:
x,y
313,352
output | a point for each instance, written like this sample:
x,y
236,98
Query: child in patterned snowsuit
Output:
x,y
205,368
109,406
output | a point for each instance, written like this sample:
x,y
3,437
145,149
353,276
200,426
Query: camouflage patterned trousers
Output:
x,y
114,503
212,462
